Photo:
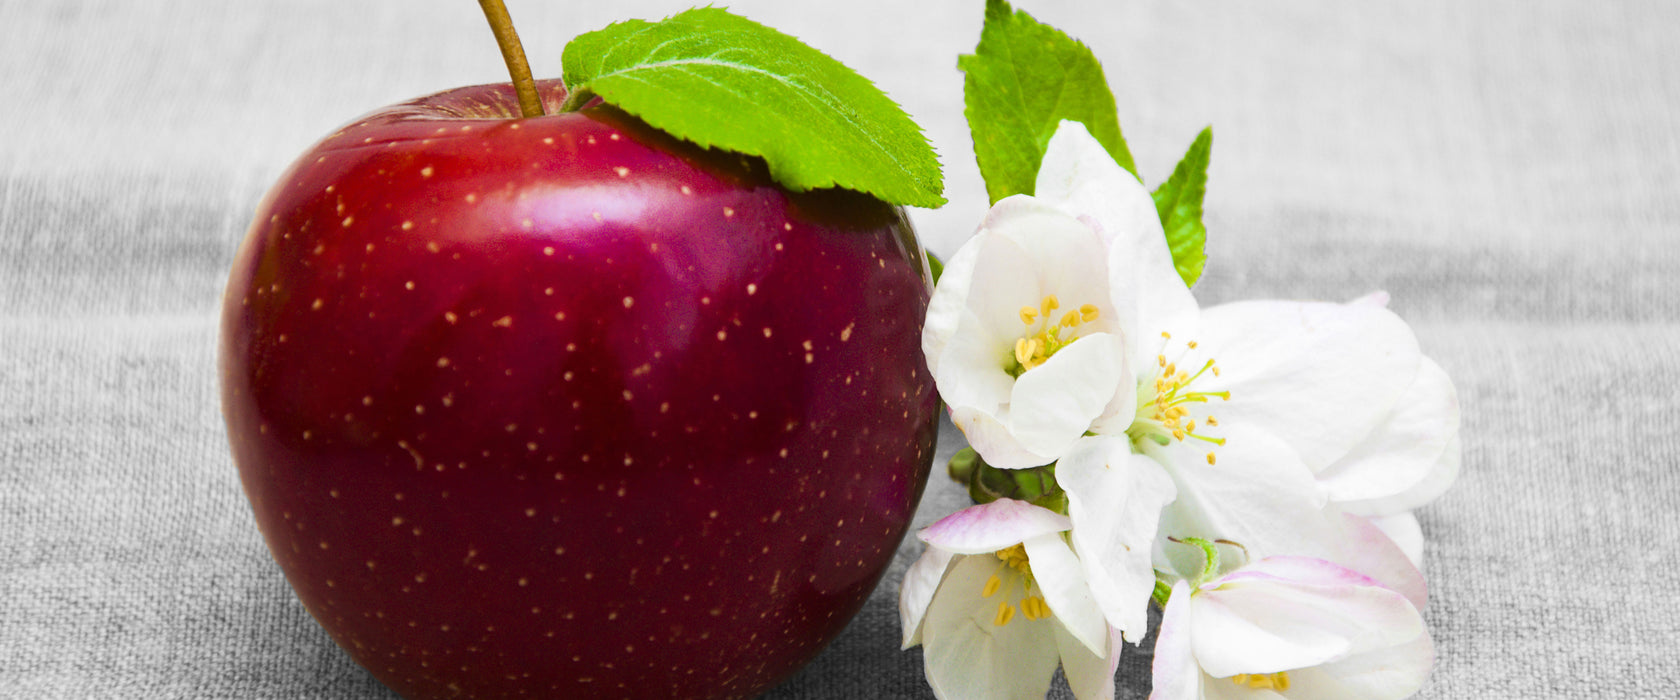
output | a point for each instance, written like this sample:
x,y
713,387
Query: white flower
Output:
x,y
998,600
1021,335
1292,627
1270,417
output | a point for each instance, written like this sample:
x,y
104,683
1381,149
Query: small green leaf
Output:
x,y
1179,203
1022,80
724,81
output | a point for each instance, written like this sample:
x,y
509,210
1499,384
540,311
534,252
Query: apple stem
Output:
x,y
514,55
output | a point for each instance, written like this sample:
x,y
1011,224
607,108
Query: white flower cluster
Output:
x,y
1294,437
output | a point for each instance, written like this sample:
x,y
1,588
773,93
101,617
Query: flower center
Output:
x,y
1042,340
1164,397
1013,562
1273,681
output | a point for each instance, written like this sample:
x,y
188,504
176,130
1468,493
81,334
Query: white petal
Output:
x,y
1403,529
1090,677
1054,404
991,438
914,594
1404,449
1257,493
1321,376
1286,613
966,656
950,301
1114,501
1390,673
1062,582
988,527
1441,476
1175,674
1074,161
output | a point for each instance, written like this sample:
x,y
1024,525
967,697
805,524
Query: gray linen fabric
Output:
x,y
1508,171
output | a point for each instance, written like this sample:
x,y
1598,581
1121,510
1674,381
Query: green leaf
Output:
x,y
1022,80
1179,203
724,81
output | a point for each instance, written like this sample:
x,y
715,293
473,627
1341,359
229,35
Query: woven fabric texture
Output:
x,y
1508,171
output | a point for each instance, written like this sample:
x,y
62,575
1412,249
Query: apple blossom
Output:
x,y
1020,335
998,600
1293,627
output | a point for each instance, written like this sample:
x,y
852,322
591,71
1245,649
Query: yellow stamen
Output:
x,y
1210,458
1028,315
1004,614
1191,345
1263,681
1088,313
1071,319
1050,303
1161,360
1025,348
992,585
1213,421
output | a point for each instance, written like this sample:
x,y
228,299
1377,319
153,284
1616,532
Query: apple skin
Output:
x,y
565,407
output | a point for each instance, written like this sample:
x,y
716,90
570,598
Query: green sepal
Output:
x,y
1022,80
1178,201
1161,594
723,81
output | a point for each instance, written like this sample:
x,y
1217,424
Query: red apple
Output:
x,y
562,406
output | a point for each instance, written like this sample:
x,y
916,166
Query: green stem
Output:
x,y
576,98
513,54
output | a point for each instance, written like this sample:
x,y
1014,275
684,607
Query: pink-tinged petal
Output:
x,y
966,656
1175,674
1062,582
1406,533
1052,405
1390,673
917,590
949,302
988,527
1376,298
1366,548
989,435
1405,448
1256,493
1115,499
1090,677
1320,376
1292,612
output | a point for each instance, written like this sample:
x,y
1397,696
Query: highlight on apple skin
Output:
x,y
565,407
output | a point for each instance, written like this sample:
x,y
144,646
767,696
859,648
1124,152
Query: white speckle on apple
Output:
x,y
409,285
315,305
628,302
621,170
349,220
448,400
450,317
766,331
548,140
306,435
705,300
687,190
443,362
721,334
751,289
567,376
589,140
503,322
595,215
628,396
466,128
783,454
846,333
526,223
472,197
419,408
420,577
426,171
549,291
